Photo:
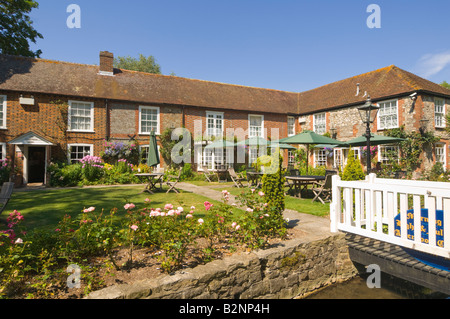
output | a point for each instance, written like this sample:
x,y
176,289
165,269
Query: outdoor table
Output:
x,y
221,173
153,179
254,178
300,183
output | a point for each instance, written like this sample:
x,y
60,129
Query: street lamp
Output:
x,y
368,113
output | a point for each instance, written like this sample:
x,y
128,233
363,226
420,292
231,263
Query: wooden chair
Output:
x,y
322,191
237,179
172,181
207,173
5,195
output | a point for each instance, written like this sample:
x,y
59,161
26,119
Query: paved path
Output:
x,y
313,227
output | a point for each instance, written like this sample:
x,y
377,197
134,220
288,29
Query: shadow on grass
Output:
x,y
45,208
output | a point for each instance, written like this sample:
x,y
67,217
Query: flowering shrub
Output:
x,y
92,168
118,150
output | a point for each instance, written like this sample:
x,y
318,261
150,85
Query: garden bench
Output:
x,y
5,195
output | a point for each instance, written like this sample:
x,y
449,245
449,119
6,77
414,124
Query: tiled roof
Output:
x,y
379,84
63,78
45,76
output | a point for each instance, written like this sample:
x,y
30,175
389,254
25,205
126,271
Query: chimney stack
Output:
x,y
106,63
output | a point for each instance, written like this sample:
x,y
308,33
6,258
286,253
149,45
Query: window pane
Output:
x,y
80,116
149,120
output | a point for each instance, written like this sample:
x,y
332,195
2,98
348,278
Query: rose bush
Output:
x,y
36,262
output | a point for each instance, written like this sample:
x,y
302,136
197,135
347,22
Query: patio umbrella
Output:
x,y
374,140
153,153
220,144
254,141
308,138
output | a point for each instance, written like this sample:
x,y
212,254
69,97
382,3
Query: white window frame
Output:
x,y
4,105
69,148
3,150
380,115
291,157
291,125
215,116
320,123
338,158
381,150
439,114
158,118
141,147
250,126
91,104
318,158
442,146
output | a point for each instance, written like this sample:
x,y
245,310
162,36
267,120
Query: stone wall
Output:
x,y
291,270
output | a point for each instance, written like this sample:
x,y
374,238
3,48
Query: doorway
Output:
x,y
36,164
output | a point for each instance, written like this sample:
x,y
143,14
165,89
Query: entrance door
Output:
x,y
36,164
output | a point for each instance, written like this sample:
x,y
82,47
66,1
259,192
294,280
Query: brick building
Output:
x,y
53,110
405,100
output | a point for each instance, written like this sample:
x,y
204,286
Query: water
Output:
x,y
391,288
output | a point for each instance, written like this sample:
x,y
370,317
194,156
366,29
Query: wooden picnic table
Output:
x,y
300,183
153,180
254,178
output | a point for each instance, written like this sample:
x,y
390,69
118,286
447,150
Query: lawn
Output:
x,y
45,208
301,205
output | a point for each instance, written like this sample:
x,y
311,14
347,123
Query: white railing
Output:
x,y
412,214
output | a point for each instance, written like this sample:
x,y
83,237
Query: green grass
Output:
x,y
45,208
301,205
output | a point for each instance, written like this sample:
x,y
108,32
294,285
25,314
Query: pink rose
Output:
x,y
134,227
201,221
168,207
88,210
260,193
129,206
208,205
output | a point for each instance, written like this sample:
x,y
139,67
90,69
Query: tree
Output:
x,y
353,171
16,28
143,64
445,84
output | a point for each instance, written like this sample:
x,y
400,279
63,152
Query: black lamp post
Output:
x,y
368,113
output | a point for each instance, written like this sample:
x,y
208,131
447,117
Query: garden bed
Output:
x,y
145,266
145,243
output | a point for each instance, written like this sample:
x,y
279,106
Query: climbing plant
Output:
x,y
413,146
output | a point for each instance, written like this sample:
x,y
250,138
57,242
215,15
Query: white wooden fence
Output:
x,y
412,214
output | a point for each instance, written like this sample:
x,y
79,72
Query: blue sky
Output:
x,y
285,44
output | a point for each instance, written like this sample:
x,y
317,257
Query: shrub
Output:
x,y
91,168
62,174
273,184
353,171
5,170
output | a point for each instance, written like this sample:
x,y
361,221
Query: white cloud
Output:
x,y
431,64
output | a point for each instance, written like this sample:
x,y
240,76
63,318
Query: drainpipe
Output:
x,y
107,121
